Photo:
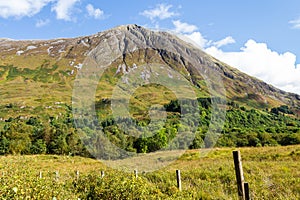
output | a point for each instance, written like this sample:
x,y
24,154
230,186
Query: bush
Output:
x,y
115,185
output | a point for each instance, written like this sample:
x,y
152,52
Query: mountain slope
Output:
x,y
42,82
69,54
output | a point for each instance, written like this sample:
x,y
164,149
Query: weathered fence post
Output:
x,y
247,191
239,174
56,175
102,174
178,179
136,173
41,174
77,174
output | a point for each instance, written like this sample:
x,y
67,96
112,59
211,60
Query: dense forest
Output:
x,y
59,135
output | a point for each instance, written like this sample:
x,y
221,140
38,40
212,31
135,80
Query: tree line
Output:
x,y
59,135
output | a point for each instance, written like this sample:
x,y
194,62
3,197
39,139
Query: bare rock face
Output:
x,y
124,41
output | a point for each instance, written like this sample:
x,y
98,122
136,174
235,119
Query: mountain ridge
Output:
x,y
69,54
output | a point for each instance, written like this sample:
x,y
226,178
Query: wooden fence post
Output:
x,y
247,191
178,179
77,174
136,173
239,174
102,174
56,175
41,174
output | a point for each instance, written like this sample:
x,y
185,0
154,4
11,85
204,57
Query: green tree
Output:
x,y
18,134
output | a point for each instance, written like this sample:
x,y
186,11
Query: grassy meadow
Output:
x,y
272,173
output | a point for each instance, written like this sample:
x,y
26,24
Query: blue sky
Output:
x,y
260,38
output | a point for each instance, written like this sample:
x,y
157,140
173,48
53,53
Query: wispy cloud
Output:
x,y
161,11
41,23
64,9
19,9
295,23
182,27
95,13
224,42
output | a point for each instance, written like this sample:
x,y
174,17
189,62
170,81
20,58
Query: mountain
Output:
x,y
41,79
33,62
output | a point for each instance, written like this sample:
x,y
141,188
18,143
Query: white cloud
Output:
x,y
64,9
197,38
258,60
188,33
19,9
96,13
41,22
223,42
295,23
161,11
255,59
182,27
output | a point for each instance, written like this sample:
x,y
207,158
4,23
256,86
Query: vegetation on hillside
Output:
x,y
59,135
39,120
